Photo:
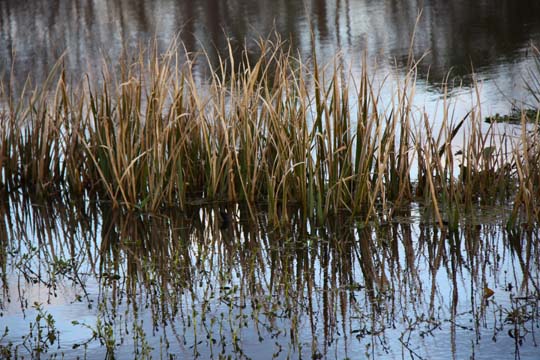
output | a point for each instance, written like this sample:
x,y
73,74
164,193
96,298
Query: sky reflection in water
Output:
x,y
345,290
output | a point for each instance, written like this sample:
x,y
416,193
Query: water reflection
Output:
x,y
457,34
109,283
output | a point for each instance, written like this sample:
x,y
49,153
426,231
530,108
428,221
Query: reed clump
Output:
x,y
274,130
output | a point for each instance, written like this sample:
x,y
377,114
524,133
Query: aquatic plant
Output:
x,y
275,130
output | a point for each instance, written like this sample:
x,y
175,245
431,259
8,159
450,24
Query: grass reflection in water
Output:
x,y
98,282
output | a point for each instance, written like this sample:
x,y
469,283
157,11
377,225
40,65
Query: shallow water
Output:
x,y
186,285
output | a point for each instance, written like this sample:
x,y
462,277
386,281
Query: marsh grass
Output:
x,y
272,130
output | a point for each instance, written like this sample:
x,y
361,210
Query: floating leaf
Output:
x,y
488,292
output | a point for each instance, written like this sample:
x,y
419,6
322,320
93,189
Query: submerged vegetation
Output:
x,y
274,130
516,116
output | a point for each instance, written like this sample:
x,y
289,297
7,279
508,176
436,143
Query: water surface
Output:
x,y
189,286
491,39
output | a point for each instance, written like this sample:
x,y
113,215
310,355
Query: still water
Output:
x,y
458,37
95,283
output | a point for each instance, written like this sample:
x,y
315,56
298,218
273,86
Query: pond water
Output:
x,y
82,280
455,37
96,283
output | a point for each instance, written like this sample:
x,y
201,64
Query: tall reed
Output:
x,y
270,130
